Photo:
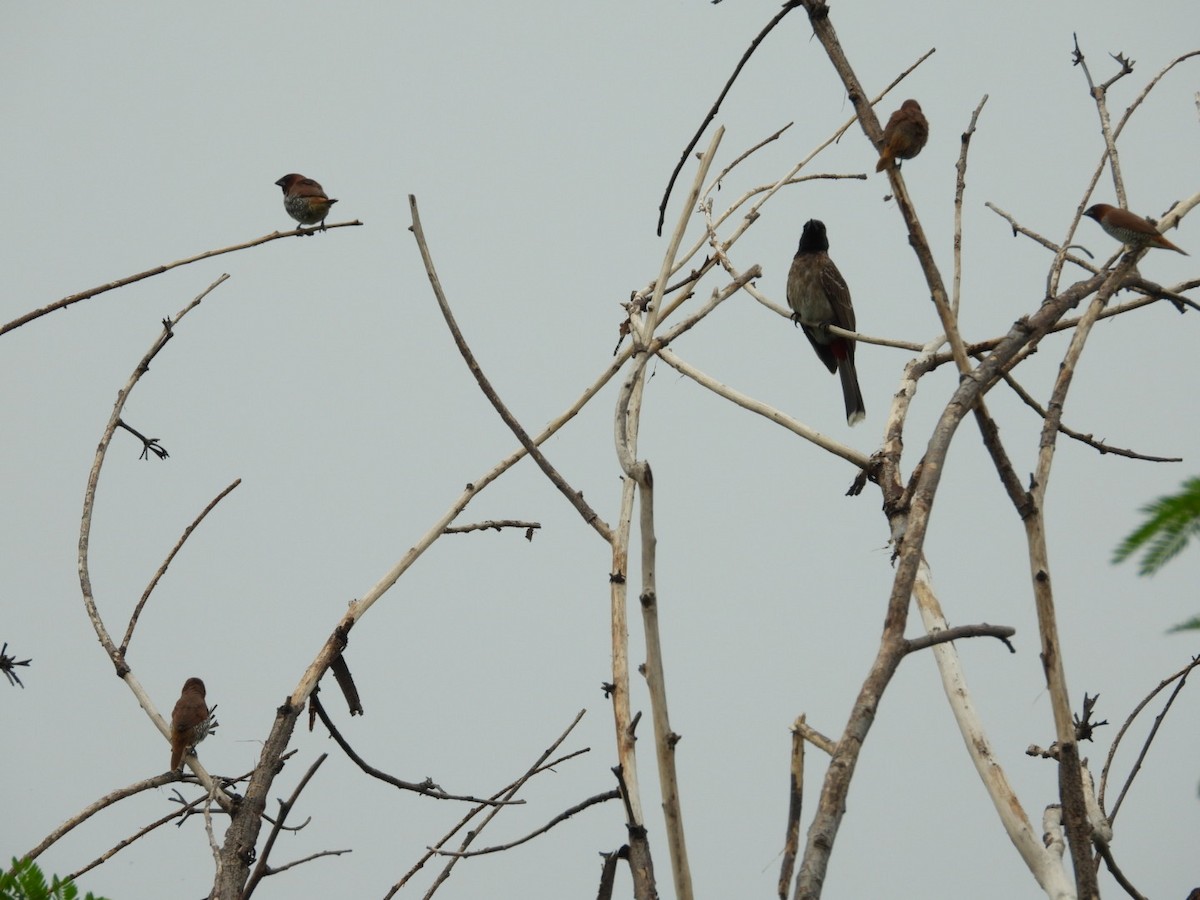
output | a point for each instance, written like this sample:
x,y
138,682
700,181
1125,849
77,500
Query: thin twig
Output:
x,y
560,818
149,445
960,186
1087,439
96,806
1105,853
187,532
740,159
712,113
140,833
157,270
958,632
1181,678
495,810
575,498
261,869
430,853
426,787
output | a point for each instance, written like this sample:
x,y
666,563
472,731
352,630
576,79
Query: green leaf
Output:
x,y
1191,624
25,881
1171,522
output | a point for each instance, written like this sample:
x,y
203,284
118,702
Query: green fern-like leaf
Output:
x,y
1192,624
25,881
1171,522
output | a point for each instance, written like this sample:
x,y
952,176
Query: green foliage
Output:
x,y
25,881
1171,521
1192,624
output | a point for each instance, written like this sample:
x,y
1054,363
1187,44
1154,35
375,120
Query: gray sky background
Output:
x,y
538,138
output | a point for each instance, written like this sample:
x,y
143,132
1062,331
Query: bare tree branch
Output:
x,y
575,498
162,570
157,270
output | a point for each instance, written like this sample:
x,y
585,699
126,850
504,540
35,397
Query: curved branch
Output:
x,y
575,498
162,570
712,113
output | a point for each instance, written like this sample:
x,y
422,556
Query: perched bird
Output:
x,y
818,296
1129,228
188,721
904,135
305,200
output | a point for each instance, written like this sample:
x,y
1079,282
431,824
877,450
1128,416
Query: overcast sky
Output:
x,y
538,138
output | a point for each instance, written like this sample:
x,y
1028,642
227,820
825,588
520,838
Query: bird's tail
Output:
x,y
856,411
1163,242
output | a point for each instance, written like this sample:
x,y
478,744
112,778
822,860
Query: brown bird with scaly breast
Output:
x,y
188,721
819,297
1129,228
305,200
905,134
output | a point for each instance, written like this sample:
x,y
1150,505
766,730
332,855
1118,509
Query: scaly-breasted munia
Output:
x,y
1129,228
904,135
189,721
305,200
818,296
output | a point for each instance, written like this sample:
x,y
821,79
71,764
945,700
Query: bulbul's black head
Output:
x,y
813,239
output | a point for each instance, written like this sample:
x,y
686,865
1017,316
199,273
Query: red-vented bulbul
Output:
x,y
818,296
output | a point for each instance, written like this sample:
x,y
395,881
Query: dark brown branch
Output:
x,y
614,794
1078,436
925,641
345,681
275,870
1181,678
712,113
608,870
641,862
149,445
1179,301
426,787
7,663
1113,869
491,814
791,839
462,823
157,270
